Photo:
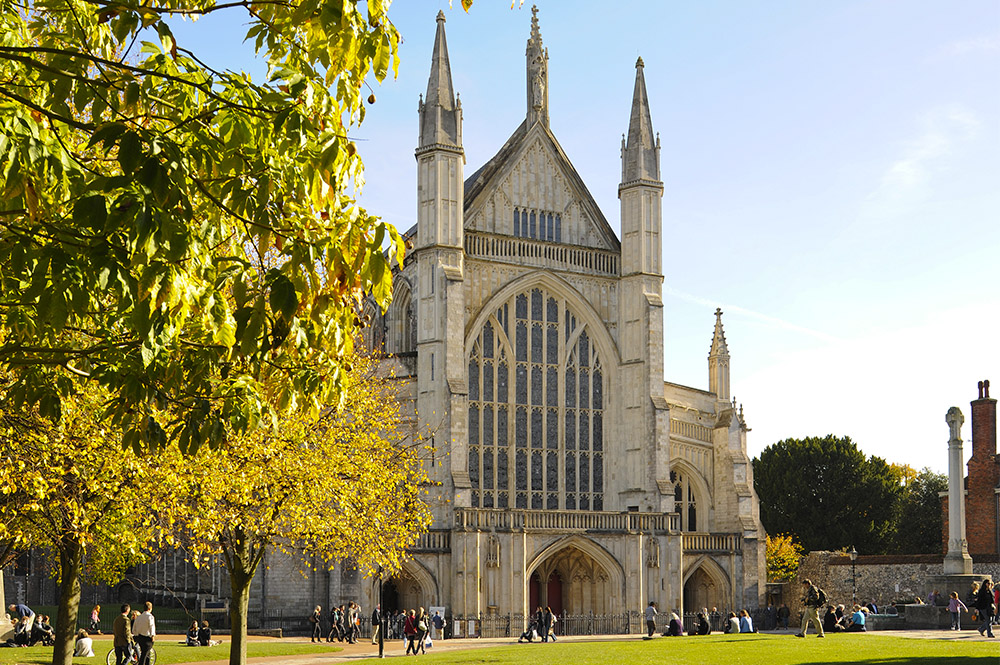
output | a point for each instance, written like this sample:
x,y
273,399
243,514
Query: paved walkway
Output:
x,y
394,648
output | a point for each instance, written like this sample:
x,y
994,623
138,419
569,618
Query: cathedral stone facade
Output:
x,y
528,341
529,338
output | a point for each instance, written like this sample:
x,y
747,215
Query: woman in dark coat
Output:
x,y
986,607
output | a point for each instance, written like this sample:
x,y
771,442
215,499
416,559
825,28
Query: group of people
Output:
x,y
200,636
345,623
134,632
985,598
837,619
542,625
29,628
416,630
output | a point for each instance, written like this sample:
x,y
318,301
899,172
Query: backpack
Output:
x,y
821,597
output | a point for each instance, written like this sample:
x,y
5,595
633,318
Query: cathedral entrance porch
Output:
x,y
575,576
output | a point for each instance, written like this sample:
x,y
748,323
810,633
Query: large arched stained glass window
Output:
x,y
536,409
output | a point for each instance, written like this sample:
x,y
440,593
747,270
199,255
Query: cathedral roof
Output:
x,y
478,185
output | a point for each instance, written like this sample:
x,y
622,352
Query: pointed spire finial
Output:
x,y
439,117
719,346
537,58
641,160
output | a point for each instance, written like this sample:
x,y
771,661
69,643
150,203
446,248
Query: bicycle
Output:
x,y
133,656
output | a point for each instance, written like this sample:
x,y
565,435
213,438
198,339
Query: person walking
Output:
x,y
437,621
423,627
815,598
314,619
410,632
376,623
95,620
122,630
144,631
651,618
955,606
550,620
986,608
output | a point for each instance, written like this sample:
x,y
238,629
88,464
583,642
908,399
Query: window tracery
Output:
x,y
685,501
536,409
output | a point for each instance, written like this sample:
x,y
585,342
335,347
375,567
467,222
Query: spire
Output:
x,y
440,117
537,59
718,362
641,156
719,347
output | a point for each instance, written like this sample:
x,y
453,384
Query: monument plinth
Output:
x,y
957,561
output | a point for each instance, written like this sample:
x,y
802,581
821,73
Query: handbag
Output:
x,y
422,626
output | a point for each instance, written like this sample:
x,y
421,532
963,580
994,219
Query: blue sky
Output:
x,y
832,181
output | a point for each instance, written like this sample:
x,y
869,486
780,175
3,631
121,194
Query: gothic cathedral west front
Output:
x,y
529,338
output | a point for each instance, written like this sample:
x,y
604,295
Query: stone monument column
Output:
x,y
6,628
957,561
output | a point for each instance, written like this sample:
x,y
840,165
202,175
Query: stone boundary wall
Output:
x,y
884,579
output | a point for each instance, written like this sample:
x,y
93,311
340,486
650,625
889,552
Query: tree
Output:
x,y
344,486
920,524
782,555
67,488
185,237
826,493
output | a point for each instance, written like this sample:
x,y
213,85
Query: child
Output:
x,y
955,606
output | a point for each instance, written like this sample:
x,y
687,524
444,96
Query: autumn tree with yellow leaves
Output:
x,y
345,486
68,489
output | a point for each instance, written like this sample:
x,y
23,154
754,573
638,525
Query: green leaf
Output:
x,y
381,278
107,133
90,212
283,299
129,151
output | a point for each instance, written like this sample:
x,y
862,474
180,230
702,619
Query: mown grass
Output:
x,y
169,652
871,648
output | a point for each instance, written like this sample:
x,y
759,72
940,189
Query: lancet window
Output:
x,y
685,501
536,409
538,224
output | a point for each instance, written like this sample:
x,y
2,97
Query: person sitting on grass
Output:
x,y
205,636
746,623
192,635
704,626
42,632
856,623
674,628
84,645
732,624
831,623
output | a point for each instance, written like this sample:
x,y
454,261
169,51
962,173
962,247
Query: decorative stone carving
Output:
x,y
652,553
493,551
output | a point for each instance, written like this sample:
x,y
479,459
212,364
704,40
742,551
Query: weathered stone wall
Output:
x,y
884,579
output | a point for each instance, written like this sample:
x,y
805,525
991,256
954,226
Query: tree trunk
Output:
x,y
239,583
70,566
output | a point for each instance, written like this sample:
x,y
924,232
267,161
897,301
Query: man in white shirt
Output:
x,y
144,632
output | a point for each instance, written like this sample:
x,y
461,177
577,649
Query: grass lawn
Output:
x,y
874,648
168,652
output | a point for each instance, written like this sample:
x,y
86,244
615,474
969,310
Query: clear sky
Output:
x,y
832,181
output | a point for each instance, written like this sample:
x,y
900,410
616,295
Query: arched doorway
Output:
x,y
577,577
707,586
390,597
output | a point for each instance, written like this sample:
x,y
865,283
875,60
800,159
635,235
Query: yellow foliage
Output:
x,y
782,555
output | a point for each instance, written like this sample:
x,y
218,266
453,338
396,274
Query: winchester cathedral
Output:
x,y
530,339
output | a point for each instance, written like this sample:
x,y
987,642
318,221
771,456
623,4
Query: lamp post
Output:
x,y
381,616
854,578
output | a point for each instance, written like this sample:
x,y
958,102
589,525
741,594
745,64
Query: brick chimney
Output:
x,y
982,502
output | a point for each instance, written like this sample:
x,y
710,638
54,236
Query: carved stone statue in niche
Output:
x,y
653,553
493,551
537,90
